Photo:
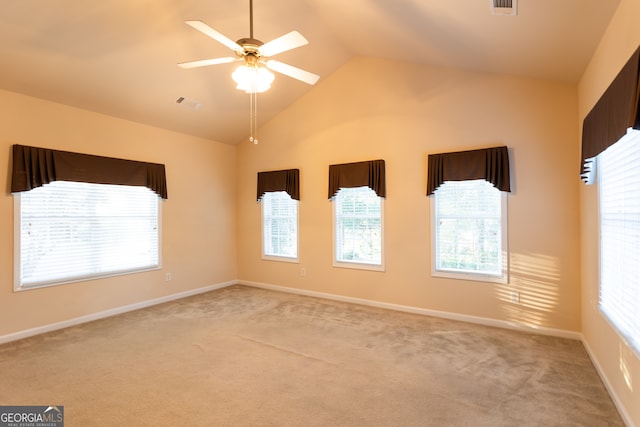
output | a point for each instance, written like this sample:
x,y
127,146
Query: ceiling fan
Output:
x,y
255,54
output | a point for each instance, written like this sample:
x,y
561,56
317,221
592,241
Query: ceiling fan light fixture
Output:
x,y
253,78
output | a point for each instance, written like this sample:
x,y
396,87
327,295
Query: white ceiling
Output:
x,y
119,57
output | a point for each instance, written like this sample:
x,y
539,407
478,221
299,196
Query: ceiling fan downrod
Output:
x,y
251,19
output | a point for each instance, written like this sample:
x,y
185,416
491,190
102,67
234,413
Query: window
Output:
x,y
71,231
619,193
358,229
469,229
279,226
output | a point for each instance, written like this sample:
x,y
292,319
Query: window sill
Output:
x,y
477,277
359,266
20,288
280,259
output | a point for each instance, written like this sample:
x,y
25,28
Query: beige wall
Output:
x,y
198,219
401,112
619,365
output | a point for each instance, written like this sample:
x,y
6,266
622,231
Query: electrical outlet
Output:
x,y
515,297
303,272
167,277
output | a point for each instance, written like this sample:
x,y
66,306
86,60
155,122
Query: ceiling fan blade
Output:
x,y
207,30
291,71
289,41
205,62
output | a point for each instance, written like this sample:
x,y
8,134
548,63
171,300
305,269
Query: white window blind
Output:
x,y
619,191
469,225
279,225
69,231
358,227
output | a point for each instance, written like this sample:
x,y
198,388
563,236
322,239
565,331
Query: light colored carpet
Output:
x,y
242,356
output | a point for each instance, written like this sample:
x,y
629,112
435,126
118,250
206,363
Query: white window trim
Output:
x,y
632,343
281,258
354,264
503,278
18,287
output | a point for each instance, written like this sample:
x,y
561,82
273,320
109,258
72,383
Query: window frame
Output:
x,y
502,278
282,258
17,252
358,265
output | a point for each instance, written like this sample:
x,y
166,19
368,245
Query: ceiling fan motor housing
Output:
x,y
250,45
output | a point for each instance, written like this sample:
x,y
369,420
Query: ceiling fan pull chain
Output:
x,y
251,137
253,114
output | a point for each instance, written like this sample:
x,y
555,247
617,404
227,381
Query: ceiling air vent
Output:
x,y
189,103
504,7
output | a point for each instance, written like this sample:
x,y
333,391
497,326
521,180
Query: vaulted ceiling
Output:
x,y
118,57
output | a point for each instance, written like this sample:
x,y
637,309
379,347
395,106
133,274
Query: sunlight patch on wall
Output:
x,y
534,278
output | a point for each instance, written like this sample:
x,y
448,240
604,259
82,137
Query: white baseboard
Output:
x,y
417,310
108,313
605,380
397,307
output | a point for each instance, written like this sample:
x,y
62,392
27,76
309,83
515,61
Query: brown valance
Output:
x,y
491,164
614,112
360,174
34,167
284,180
